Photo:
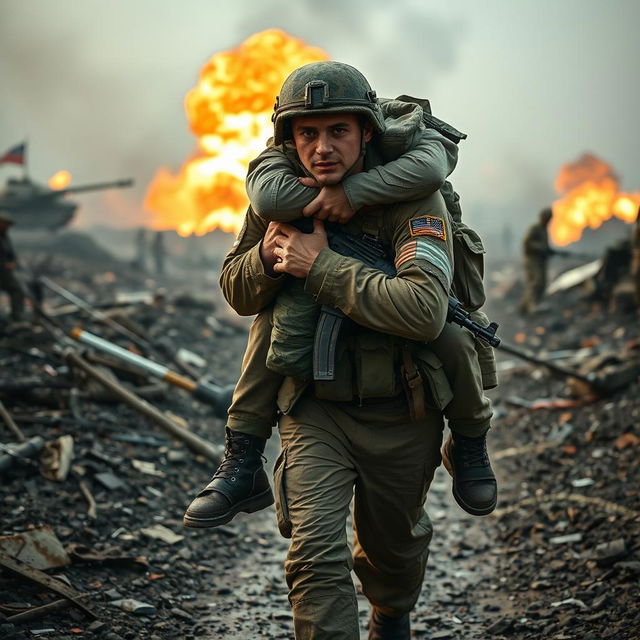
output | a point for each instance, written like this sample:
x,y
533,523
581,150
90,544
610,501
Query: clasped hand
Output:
x,y
285,249
331,203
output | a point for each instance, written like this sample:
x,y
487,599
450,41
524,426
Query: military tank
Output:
x,y
36,206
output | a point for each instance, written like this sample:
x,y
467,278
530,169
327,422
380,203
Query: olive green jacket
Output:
x,y
406,162
412,305
536,243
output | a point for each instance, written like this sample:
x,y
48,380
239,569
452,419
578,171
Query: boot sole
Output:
x,y
474,511
249,505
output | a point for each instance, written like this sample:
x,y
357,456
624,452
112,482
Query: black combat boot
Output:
x,y
474,484
383,627
239,484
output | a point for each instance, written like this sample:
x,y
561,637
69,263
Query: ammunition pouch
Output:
x,y
468,254
375,358
437,384
366,367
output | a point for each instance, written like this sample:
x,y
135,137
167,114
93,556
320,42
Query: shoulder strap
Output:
x,y
431,122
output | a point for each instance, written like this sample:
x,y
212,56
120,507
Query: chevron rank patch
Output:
x,y
427,226
431,252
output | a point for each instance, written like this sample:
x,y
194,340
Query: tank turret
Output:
x,y
35,206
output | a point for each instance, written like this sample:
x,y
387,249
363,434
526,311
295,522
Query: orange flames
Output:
x,y
60,180
230,113
590,197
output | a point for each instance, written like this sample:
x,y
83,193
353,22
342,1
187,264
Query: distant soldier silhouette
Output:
x,y
8,265
536,250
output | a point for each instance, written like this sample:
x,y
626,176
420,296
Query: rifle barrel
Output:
x,y
565,373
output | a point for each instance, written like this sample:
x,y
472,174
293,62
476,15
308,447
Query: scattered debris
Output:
x,y
9,421
20,453
573,602
160,532
34,575
609,553
135,607
56,458
39,548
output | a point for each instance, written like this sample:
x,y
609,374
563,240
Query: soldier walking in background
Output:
x,y
8,265
536,250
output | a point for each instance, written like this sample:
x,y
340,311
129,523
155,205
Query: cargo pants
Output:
x,y
336,452
535,283
468,365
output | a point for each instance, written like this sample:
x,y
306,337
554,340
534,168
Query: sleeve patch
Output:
x,y
427,226
422,249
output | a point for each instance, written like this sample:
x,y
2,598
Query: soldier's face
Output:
x,y
328,145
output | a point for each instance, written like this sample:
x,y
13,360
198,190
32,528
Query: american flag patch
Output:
x,y
429,251
427,226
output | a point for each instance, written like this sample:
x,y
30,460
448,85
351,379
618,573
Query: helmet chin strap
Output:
x,y
363,149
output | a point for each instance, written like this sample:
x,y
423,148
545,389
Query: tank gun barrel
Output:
x,y
96,186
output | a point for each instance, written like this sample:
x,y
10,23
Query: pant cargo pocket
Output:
x,y
280,486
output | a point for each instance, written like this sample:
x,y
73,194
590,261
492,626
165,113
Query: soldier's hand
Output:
x,y
309,182
330,204
267,247
296,251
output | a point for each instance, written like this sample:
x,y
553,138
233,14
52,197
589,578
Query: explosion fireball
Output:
x,y
229,111
60,180
590,197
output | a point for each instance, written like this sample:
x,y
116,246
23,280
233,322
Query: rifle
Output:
x,y
369,250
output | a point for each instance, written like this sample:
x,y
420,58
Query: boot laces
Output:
x,y
474,452
235,451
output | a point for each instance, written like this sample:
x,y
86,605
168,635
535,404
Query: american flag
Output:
x,y
15,155
427,226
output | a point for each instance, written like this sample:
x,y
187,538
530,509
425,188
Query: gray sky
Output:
x,y
98,87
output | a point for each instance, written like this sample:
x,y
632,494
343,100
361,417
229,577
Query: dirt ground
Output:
x,y
558,560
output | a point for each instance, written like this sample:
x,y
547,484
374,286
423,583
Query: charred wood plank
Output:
x,y
39,577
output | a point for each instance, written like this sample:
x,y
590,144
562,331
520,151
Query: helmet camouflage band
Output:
x,y
324,87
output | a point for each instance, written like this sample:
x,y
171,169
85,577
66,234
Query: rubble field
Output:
x,y
92,491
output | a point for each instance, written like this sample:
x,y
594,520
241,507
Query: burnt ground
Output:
x,y
559,559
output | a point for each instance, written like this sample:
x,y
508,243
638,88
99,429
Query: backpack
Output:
x,y
468,251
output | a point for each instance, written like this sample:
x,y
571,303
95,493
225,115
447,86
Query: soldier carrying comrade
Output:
x,y
370,168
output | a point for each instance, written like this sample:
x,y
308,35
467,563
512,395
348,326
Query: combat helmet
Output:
x,y
324,86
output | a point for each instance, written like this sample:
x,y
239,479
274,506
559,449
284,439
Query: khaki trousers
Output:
x,y
333,453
